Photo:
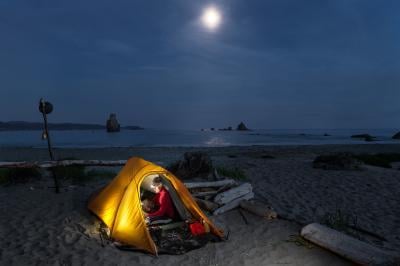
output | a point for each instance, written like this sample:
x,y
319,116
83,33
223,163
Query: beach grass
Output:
x,y
342,222
379,159
235,173
3,176
78,174
95,173
18,175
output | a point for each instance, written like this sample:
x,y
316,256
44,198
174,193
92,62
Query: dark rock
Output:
x,y
339,161
225,129
112,124
326,135
370,138
194,164
366,137
242,127
396,136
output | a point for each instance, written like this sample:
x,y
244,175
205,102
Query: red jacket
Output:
x,y
164,203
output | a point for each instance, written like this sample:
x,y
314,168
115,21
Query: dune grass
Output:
x,y
234,173
342,222
379,159
77,175
18,175
74,174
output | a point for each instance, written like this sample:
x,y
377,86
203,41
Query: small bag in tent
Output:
x,y
118,204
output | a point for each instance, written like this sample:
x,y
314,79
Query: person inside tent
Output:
x,y
164,208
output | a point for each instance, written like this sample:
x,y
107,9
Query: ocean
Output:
x,y
194,138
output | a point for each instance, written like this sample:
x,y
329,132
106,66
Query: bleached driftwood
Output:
x,y
233,193
347,247
258,209
233,204
207,205
210,184
49,164
204,193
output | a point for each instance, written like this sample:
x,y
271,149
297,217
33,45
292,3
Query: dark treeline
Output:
x,y
22,125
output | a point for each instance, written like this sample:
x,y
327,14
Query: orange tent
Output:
x,y
118,204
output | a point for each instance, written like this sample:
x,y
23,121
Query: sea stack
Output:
x,y
112,124
396,136
242,127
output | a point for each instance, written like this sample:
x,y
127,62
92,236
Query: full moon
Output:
x,y
211,18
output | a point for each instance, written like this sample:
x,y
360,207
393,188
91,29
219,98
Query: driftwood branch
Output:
x,y
233,204
210,184
233,193
258,209
50,164
204,193
206,205
347,247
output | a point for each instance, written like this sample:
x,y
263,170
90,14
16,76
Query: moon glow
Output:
x,y
211,18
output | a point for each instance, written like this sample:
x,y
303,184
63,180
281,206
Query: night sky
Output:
x,y
270,63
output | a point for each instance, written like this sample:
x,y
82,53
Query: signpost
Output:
x,y
46,108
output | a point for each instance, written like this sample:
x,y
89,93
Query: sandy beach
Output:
x,y
39,227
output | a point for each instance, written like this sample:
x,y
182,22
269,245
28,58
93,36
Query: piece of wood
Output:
x,y
204,193
348,247
49,164
244,217
220,183
233,204
206,205
233,193
258,209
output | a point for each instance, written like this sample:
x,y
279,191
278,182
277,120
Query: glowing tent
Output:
x,y
118,204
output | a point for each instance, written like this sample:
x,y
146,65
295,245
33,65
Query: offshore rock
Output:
x,y
112,124
396,136
242,127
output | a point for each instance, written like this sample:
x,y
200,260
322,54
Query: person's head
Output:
x,y
156,184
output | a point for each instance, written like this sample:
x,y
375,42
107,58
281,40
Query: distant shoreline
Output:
x,y
30,126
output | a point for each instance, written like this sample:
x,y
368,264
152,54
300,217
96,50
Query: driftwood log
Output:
x,y
233,193
348,247
206,205
204,193
49,164
258,209
233,204
220,183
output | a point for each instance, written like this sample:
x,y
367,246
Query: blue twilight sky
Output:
x,y
270,63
